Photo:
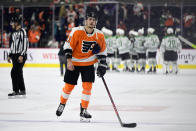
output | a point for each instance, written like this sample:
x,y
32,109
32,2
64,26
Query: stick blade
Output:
x,y
129,125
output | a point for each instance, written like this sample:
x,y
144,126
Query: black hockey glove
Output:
x,y
67,53
96,49
102,66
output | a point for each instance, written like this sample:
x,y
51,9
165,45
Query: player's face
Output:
x,y
91,22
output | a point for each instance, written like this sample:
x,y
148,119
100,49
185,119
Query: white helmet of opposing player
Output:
x,y
104,30
150,30
120,31
110,32
170,31
132,32
141,31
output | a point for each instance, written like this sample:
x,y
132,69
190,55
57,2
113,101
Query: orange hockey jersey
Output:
x,y
82,44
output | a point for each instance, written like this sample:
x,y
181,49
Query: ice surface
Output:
x,y
154,102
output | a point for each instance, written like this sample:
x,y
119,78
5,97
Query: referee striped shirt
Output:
x,y
19,42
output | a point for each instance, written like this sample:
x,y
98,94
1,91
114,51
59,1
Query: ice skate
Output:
x,y
60,109
13,95
137,69
142,70
131,69
175,72
155,70
22,94
150,70
166,72
84,115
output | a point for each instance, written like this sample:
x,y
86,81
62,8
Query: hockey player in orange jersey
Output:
x,y
84,47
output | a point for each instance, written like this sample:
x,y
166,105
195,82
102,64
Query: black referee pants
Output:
x,y
17,74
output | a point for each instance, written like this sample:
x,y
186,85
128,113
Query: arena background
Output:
x,y
156,102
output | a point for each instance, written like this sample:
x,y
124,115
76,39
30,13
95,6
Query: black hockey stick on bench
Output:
x,y
129,125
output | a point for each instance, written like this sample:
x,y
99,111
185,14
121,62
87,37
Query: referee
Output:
x,y
18,48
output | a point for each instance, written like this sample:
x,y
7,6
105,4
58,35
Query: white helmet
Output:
x,y
150,30
107,31
170,31
120,31
104,30
141,31
110,32
132,32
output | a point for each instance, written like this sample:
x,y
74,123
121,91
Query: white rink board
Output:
x,y
50,56
45,56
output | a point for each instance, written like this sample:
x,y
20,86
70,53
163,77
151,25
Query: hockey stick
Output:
x,y
128,125
187,42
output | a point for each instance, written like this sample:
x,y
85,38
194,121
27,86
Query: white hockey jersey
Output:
x,y
171,43
123,44
139,44
151,43
132,46
111,44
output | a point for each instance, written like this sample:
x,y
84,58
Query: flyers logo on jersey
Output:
x,y
87,45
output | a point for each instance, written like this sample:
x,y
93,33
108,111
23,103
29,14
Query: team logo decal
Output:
x,y
87,45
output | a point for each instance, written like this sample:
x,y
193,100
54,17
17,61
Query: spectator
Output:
x,y
71,15
34,36
169,21
70,26
62,16
188,21
6,38
138,8
123,13
81,16
122,26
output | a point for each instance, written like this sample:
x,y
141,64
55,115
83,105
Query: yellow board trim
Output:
x,y
39,65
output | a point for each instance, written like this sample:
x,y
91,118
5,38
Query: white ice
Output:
x,y
154,102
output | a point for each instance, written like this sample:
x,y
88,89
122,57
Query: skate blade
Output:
x,y
17,97
85,120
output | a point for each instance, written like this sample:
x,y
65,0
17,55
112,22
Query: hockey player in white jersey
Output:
x,y
123,45
133,54
170,47
151,43
111,47
141,50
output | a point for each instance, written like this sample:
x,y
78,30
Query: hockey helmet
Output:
x,y
107,31
170,31
110,32
150,30
132,32
91,14
141,31
103,29
120,31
